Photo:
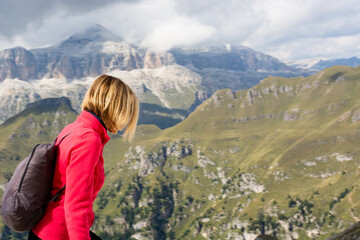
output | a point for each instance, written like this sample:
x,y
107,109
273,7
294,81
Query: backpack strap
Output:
x,y
57,195
62,138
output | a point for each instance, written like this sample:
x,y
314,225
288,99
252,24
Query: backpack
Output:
x,y
28,192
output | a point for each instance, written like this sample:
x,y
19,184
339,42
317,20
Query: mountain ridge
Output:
x,y
92,41
318,64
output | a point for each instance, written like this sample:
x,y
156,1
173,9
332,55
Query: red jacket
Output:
x,y
79,165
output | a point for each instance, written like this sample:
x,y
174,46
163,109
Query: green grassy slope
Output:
x,y
281,158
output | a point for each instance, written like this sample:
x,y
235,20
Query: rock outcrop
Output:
x,y
18,63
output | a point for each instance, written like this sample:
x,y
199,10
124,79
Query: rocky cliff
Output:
x,y
18,63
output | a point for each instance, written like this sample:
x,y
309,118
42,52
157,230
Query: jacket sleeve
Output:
x,y
79,185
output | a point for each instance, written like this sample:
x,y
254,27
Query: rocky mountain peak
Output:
x,y
18,48
94,51
94,32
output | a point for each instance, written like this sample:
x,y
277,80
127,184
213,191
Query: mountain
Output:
x,y
280,158
320,64
229,57
304,63
232,66
90,53
169,84
97,50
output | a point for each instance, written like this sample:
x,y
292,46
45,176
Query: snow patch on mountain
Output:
x,y
304,63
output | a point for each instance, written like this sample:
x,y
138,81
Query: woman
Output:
x,y
109,105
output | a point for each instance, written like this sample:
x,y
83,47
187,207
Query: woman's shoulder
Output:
x,y
82,134
87,134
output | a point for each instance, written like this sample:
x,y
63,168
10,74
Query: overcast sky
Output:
x,y
286,29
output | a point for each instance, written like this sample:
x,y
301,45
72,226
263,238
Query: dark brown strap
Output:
x,y
55,197
62,138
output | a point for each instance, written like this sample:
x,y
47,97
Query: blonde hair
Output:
x,y
115,103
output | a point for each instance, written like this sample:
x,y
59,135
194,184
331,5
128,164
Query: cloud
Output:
x,y
294,29
283,28
334,47
177,31
17,15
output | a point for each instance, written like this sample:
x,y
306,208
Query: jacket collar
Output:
x,y
88,119
97,117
